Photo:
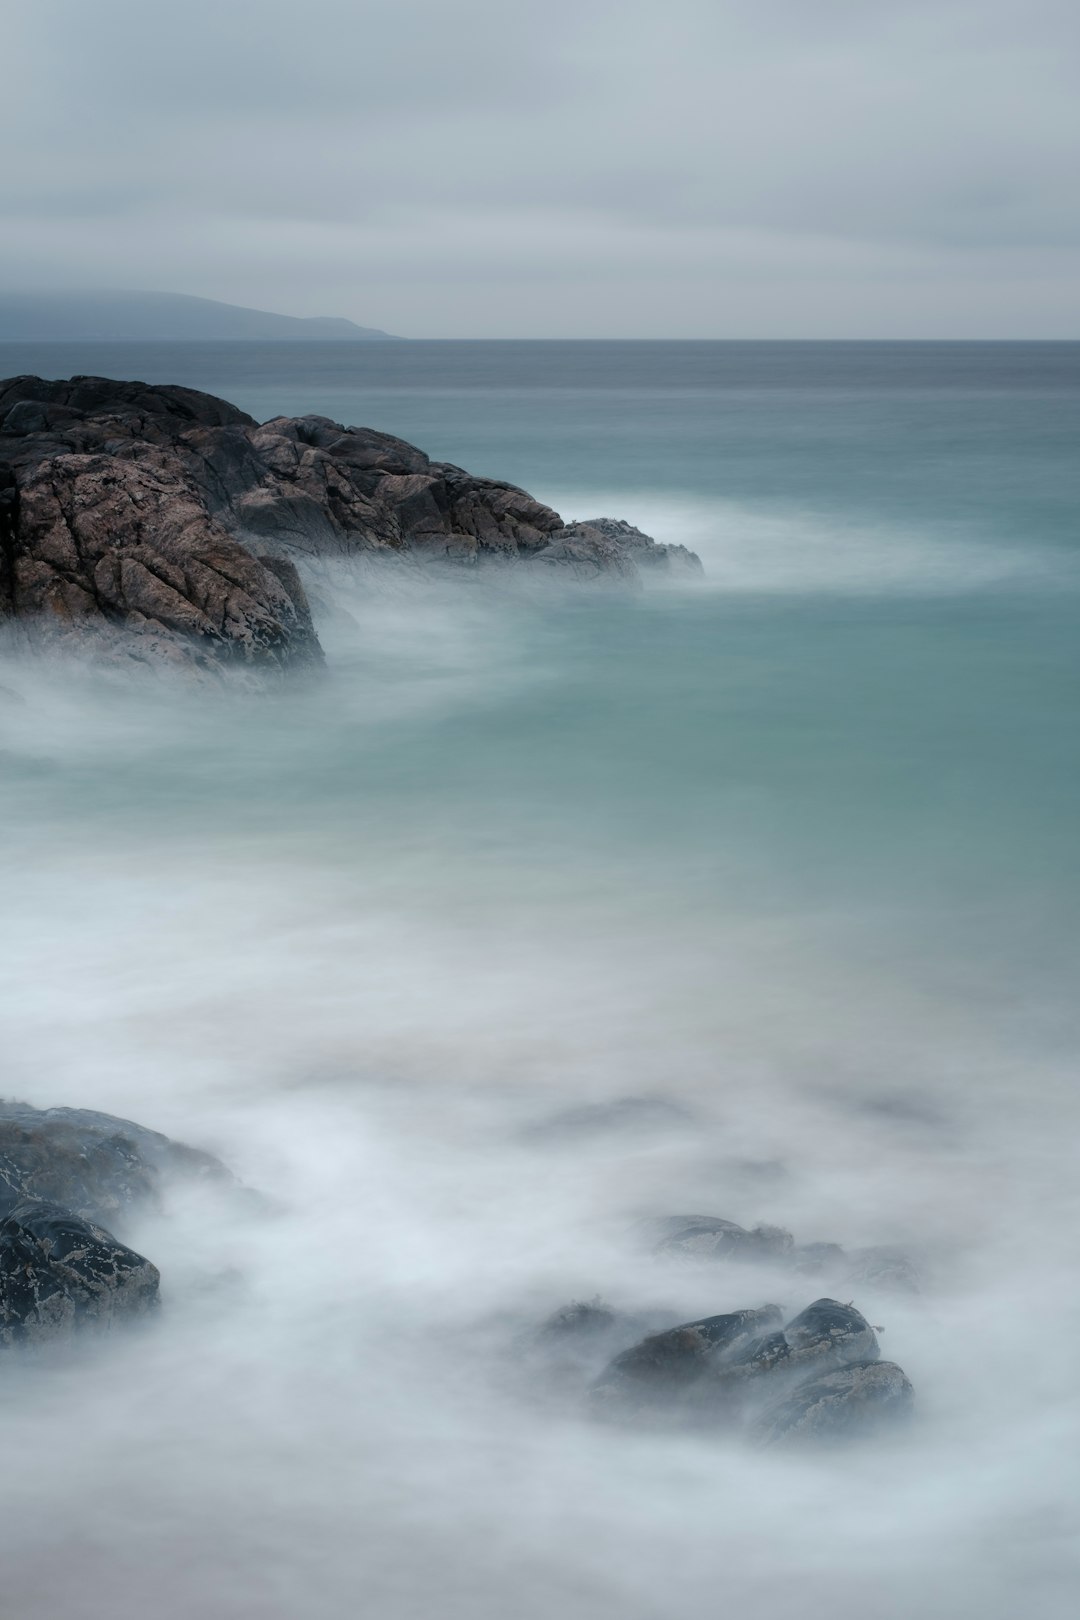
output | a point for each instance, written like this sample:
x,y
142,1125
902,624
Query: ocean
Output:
x,y
790,851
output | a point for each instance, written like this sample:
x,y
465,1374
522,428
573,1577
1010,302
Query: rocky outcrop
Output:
x,y
67,1176
709,1237
166,524
712,1238
60,1274
646,553
666,1372
857,1400
94,1165
817,1377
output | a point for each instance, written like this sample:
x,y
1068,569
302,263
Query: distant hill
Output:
x,y
150,317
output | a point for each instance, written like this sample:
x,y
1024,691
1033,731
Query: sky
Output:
x,y
601,168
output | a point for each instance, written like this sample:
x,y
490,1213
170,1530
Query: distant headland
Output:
x,y
155,317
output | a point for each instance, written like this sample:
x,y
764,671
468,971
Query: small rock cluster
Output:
x,y
769,1375
817,1376
67,1175
709,1237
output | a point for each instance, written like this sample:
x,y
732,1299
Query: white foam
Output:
x,y
360,996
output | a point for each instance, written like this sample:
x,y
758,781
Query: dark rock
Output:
x,y
9,523
60,1274
859,1399
163,523
581,1319
708,1237
731,1369
831,1333
89,396
587,553
96,1166
655,1376
824,1336
764,1355
646,552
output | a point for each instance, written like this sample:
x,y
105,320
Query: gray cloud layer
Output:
x,y
598,168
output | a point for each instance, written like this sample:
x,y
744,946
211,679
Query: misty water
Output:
x,y
793,849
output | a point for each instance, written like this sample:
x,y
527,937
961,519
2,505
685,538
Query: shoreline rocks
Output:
x,y
95,1165
705,1239
67,1175
164,525
61,1275
819,1376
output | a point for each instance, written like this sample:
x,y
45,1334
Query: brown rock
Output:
x,y
166,523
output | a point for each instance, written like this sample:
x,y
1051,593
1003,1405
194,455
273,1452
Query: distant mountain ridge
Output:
x,y
151,317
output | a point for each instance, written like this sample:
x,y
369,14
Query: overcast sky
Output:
x,y
600,168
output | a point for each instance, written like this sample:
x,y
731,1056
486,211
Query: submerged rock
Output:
x,y
568,1349
579,1321
94,1165
164,524
737,1368
853,1401
831,1332
655,1376
60,1274
709,1237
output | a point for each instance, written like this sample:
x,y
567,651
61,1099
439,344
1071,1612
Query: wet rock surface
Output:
x,y
709,1238
655,1377
70,1176
60,1274
163,524
567,1351
67,1177
860,1399
814,1377
95,1165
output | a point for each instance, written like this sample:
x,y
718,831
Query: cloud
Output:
x,y
712,167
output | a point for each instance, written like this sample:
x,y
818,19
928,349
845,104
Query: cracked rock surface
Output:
x,y
67,1176
163,524
60,1274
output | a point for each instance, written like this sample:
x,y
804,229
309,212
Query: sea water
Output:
x,y
792,849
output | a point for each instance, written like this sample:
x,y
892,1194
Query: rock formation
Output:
x,y
60,1274
67,1175
706,1238
817,1377
858,1399
162,523
669,559
95,1165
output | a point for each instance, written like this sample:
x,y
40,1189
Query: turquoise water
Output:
x,y
794,848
